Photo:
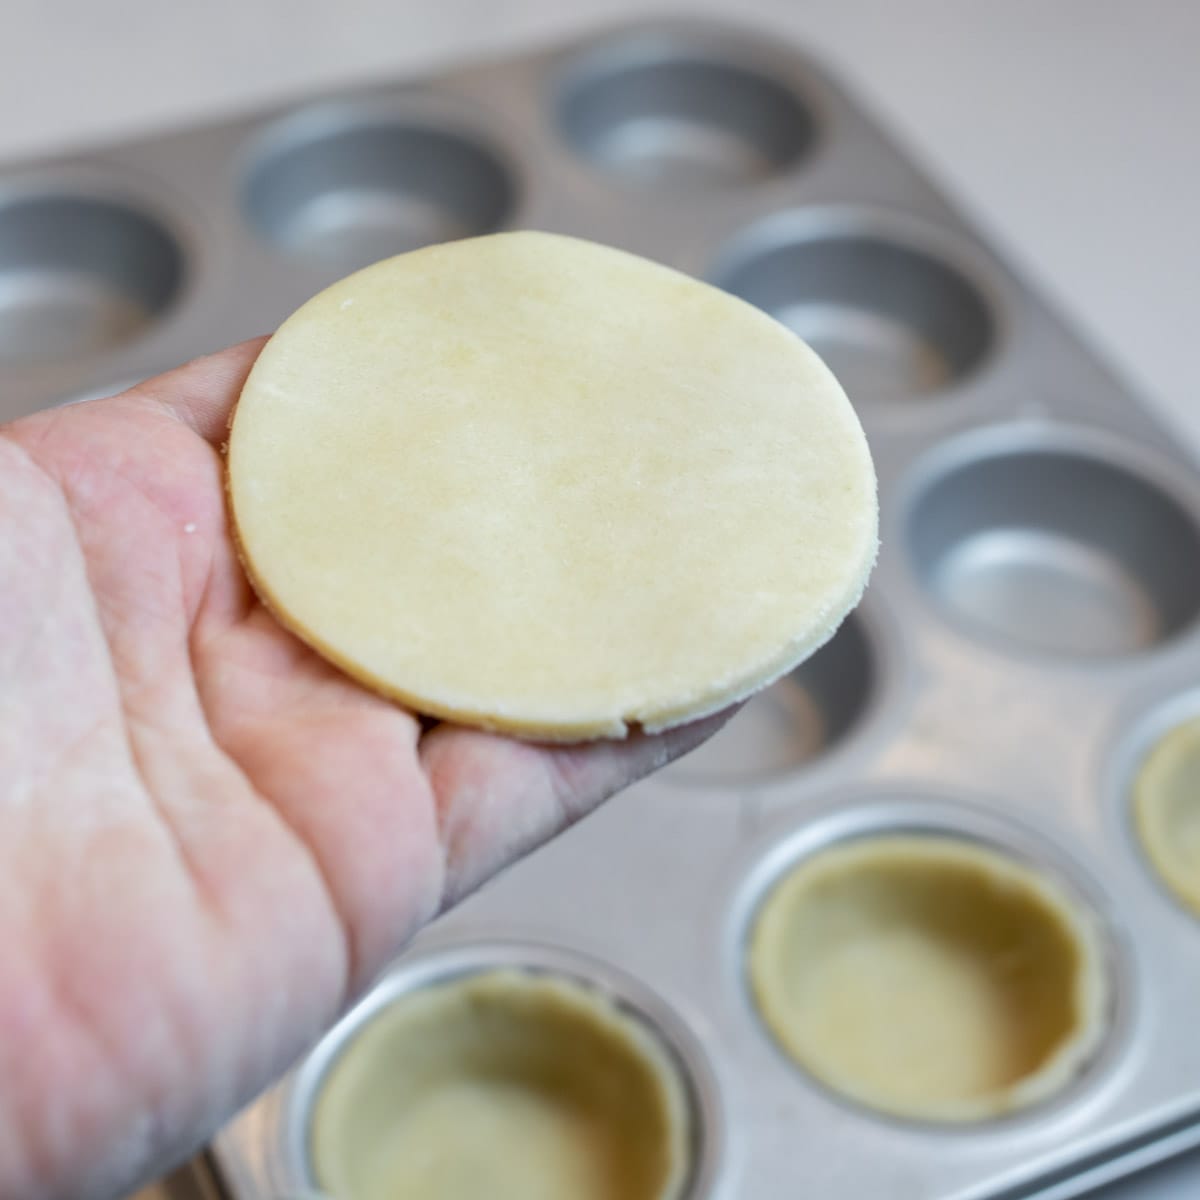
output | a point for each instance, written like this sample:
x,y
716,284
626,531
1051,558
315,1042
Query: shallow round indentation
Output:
x,y
502,1082
80,274
891,320
929,977
349,192
668,115
1058,552
793,721
1166,800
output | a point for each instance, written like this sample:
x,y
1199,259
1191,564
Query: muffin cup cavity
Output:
x,y
347,191
666,114
929,977
1166,809
501,1080
1057,551
894,319
796,720
80,275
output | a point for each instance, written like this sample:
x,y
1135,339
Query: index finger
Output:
x,y
498,798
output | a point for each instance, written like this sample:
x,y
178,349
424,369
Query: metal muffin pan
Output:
x,y
1034,611
348,189
282,1114
79,274
193,1180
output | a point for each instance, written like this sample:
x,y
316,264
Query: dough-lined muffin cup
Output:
x,y
1166,796
929,977
503,1082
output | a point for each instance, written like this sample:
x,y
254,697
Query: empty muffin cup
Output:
x,y
1166,795
347,191
795,720
660,112
1058,551
929,977
502,1083
892,320
80,274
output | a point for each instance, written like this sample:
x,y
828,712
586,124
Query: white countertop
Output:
x,y
1067,129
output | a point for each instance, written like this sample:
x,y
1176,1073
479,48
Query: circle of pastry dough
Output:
x,y
929,977
539,485
1167,804
501,1084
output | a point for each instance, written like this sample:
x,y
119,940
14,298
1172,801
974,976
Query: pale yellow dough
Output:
x,y
535,484
505,1085
1167,801
929,978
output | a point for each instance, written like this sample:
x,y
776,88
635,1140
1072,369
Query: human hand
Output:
x,y
210,840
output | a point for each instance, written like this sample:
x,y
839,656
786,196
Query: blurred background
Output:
x,y
1065,128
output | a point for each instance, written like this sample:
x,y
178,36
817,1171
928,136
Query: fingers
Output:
x,y
339,766
201,394
497,798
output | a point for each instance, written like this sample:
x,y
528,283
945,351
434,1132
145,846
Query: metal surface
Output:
x,y
795,720
79,274
291,1104
887,314
1175,1179
1056,548
667,113
1032,616
351,188
193,1180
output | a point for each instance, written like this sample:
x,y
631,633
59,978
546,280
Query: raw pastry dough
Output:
x,y
1167,802
539,485
506,1085
928,977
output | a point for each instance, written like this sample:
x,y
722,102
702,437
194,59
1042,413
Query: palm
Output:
x,y
209,839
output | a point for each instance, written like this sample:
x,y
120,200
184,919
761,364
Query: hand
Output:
x,y
210,840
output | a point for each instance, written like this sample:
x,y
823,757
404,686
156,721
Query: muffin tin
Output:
x,y
564,1091
930,977
1030,631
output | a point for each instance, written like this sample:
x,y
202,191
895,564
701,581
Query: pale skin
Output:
x,y
210,840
